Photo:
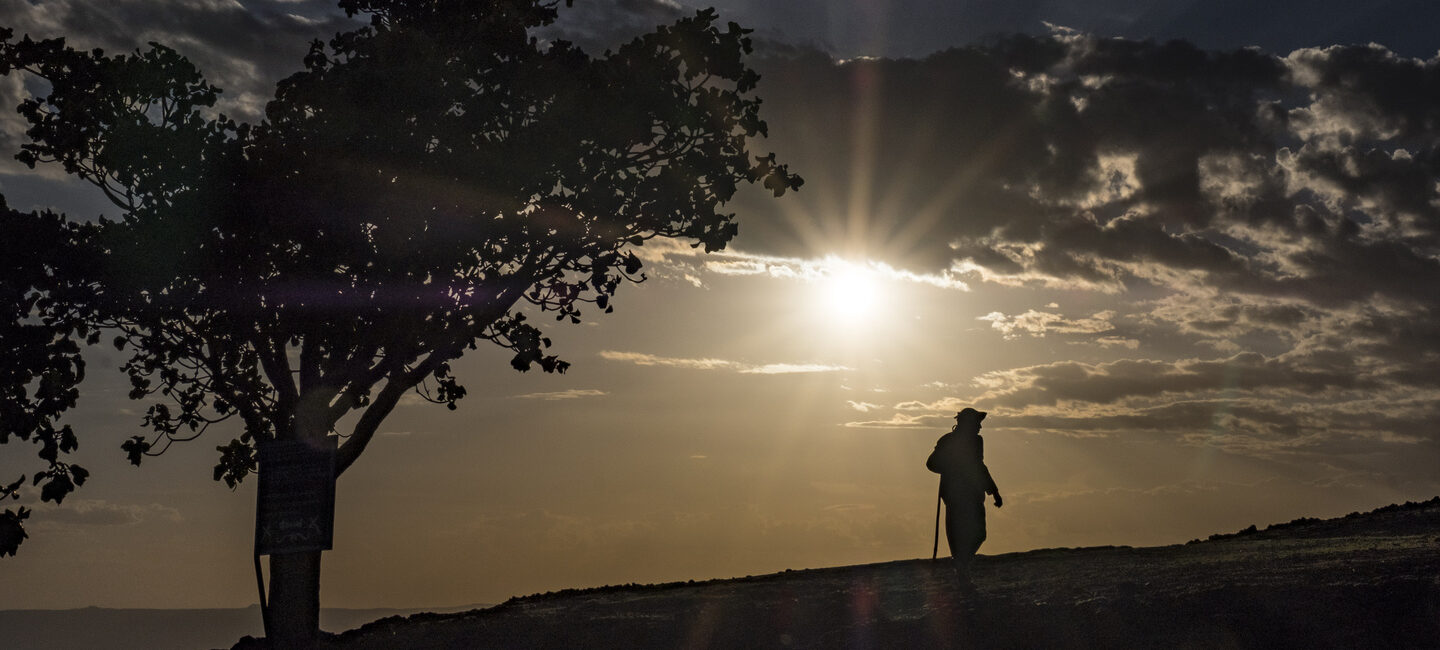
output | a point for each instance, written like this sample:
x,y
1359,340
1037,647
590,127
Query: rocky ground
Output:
x,y
1367,580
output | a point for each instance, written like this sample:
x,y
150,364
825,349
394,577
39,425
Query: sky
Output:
x,y
1195,285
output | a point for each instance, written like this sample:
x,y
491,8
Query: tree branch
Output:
x,y
401,381
310,356
277,369
356,382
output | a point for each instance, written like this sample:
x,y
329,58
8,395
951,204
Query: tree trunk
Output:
x,y
294,620
294,521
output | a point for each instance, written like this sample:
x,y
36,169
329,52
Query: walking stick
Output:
x,y
935,551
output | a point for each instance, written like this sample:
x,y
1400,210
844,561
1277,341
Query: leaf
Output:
x,y
49,450
12,531
56,488
135,449
237,460
68,443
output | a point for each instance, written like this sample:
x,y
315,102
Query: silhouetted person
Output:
x,y
959,459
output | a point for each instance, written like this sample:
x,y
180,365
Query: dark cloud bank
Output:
x,y
1225,198
915,28
1220,197
1100,163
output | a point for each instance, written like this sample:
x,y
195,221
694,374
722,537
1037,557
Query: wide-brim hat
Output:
x,y
968,412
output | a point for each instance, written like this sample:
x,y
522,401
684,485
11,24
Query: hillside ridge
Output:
x,y
1361,580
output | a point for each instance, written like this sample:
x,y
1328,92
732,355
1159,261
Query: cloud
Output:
x,y
792,368
574,393
1036,323
740,263
1306,178
900,421
599,25
243,49
1110,382
643,359
1265,229
95,512
1306,403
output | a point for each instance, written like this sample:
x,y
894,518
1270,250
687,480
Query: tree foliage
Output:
x,y
418,187
41,335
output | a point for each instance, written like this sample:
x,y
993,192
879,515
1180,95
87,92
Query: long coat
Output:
x,y
959,459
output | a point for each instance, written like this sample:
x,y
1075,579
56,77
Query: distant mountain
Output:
x,y
1365,580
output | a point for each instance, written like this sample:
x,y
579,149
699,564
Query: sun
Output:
x,y
849,294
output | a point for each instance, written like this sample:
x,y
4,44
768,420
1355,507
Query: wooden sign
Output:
x,y
295,510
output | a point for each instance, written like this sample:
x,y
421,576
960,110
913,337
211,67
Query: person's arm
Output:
x,y
990,487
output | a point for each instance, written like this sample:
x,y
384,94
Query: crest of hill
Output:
x,y
1396,518
1362,580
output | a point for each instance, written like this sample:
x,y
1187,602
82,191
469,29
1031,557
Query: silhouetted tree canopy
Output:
x,y
41,338
416,185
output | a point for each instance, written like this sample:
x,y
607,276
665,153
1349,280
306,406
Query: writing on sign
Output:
x,y
295,508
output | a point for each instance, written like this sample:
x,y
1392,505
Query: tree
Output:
x,y
421,181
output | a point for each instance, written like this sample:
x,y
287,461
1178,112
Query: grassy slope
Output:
x,y
1370,580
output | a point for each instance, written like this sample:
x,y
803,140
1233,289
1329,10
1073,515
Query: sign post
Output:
x,y
295,508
